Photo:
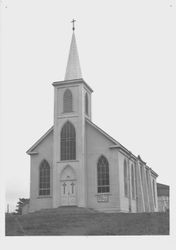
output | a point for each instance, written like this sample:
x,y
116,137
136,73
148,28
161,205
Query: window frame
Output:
x,y
103,178
44,178
68,142
125,172
67,101
86,104
154,192
133,181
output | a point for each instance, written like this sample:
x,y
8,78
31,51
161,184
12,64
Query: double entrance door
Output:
x,y
68,193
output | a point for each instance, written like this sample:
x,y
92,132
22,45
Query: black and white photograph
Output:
x,y
88,122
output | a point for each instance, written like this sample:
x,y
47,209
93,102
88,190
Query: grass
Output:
x,y
79,221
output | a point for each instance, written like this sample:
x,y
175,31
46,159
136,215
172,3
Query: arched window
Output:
x,y
86,104
148,179
44,178
154,194
103,175
68,142
133,181
125,179
142,175
67,101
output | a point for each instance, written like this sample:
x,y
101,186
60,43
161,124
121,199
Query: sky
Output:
x,y
128,55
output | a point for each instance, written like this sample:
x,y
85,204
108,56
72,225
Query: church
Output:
x,y
76,163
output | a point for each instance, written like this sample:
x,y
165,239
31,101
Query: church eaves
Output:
x,y
31,151
73,70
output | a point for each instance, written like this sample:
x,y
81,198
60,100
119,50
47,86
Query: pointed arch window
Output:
x,y
125,179
148,179
103,175
67,101
86,104
44,178
154,194
133,181
142,175
68,142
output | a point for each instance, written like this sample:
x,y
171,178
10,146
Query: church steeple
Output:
x,y
73,70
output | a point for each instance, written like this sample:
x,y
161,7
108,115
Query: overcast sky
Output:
x,y
128,56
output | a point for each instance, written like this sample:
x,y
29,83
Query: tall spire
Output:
x,y
73,70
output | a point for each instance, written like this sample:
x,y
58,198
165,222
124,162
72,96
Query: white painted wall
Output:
x,y
97,145
77,118
45,151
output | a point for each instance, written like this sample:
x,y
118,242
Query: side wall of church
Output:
x,y
127,203
154,192
45,151
96,146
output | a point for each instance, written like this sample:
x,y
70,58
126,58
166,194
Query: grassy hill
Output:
x,y
81,221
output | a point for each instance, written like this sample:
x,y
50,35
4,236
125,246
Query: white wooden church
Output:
x,y
76,163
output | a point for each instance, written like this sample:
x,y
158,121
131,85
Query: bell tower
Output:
x,y
72,105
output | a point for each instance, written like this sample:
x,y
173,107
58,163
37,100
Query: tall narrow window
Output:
x,y
154,194
68,142
142,175
67,101
86,104
148,179
103,175
133,181
125,178
136,179
44,178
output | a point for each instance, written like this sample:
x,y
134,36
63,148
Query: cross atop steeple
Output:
x,y
73,22
73,70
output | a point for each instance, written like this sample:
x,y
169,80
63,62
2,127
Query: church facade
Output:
x,y
78,164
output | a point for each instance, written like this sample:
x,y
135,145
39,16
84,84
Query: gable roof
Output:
x,y
116,143
30,150
119,145
102,131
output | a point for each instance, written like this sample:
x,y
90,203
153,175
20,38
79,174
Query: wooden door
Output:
x,y
68,193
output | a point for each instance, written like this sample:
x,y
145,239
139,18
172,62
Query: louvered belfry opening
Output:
x,y
67,101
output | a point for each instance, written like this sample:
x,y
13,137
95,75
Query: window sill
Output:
x,y
103,194
64,161
44,196
65,113
103,197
